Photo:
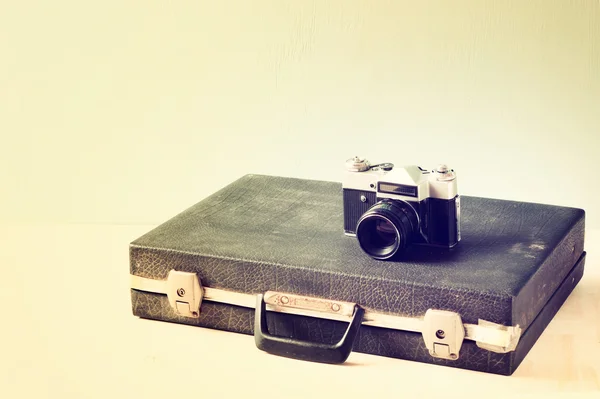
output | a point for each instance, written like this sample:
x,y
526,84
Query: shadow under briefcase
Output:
x,y
268,256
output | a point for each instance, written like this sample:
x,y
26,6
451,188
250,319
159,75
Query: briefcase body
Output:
x,y
268,256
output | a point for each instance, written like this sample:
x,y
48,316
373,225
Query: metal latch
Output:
x,y
183,291
443,333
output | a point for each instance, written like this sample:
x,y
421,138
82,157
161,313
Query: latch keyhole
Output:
x,y
440,334
181,292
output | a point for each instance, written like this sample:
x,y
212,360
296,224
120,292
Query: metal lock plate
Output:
x,y
184,293
282,302
443,333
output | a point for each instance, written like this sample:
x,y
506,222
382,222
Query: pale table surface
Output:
x,y
68,332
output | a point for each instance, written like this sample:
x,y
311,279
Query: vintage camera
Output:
x,y
387,208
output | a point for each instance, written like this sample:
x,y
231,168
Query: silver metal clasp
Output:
x,y
443,333
185,293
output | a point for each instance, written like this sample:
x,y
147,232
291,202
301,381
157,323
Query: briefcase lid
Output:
x,y
264,233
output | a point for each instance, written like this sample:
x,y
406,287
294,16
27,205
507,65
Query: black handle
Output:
x,y
304,350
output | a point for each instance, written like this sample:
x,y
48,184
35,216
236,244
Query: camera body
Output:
x,y
388,208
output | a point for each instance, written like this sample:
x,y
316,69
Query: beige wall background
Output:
x,y
130,111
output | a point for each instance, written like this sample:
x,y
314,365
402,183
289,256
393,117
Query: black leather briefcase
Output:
x,y
268,256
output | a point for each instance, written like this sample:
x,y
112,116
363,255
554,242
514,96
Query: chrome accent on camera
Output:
x,y
357,164
362,177
443,173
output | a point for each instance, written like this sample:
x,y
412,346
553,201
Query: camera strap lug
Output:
x,y
443,331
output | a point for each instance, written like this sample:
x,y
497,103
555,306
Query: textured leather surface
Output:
x,y
272,233
547,313
372,340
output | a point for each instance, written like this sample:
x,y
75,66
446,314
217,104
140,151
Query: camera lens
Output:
x,y
381,234
386,228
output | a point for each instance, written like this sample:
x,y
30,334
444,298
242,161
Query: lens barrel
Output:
x,y
386,228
